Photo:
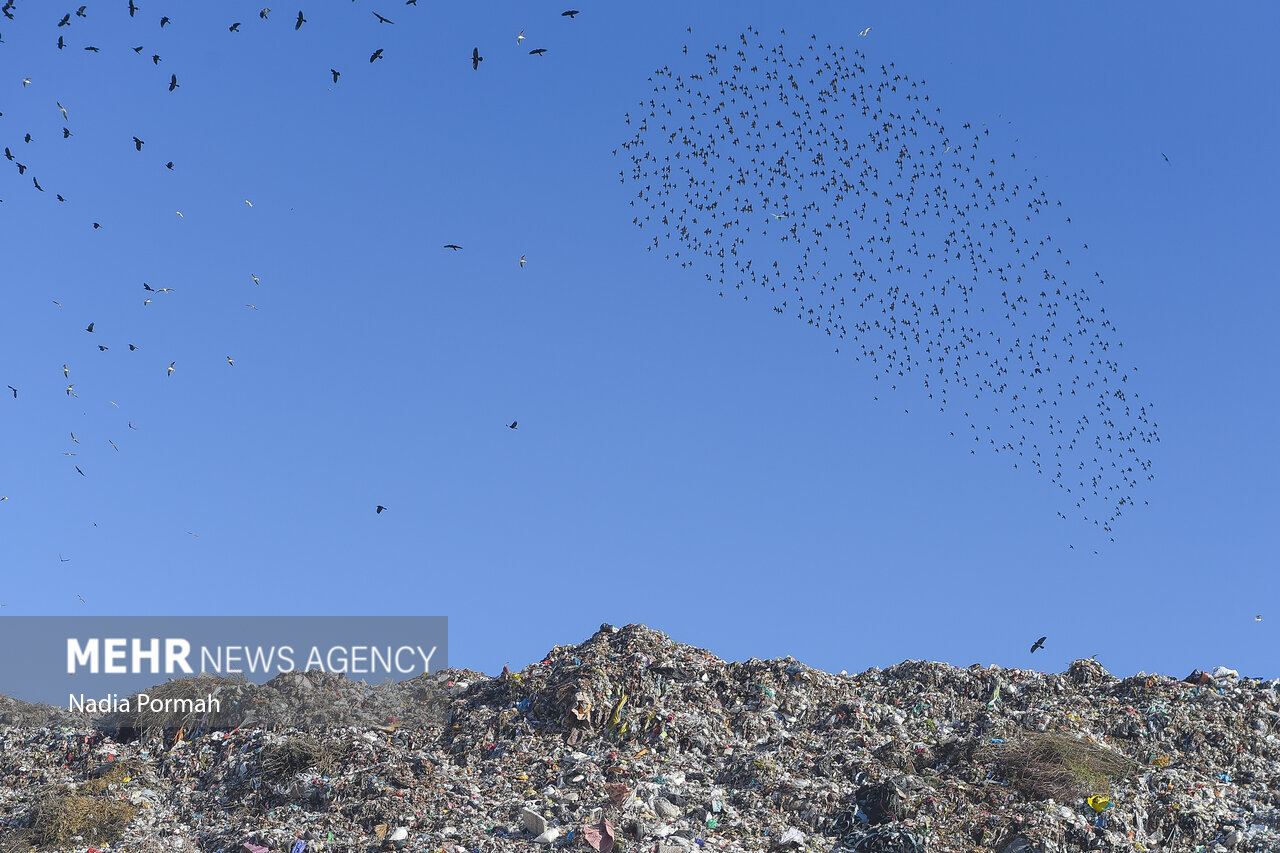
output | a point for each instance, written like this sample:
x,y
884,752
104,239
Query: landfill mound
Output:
x,y
633,742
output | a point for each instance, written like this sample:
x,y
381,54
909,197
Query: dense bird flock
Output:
x,y
828,188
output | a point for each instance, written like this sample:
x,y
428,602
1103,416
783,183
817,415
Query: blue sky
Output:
x,y
698,464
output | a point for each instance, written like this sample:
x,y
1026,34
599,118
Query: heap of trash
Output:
x,y
633,742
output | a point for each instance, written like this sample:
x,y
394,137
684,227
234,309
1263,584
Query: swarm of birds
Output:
x,y
828,188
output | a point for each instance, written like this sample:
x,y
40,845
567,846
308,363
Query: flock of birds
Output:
x,y
23,141
828,188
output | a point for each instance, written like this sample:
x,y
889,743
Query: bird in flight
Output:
x,y
476,58
378,509
230,362
263,14
234,28
66,374
246,201
63,559
62,110
301,21
1166,158
81,597
571,13
78,471
336,74
522,262
382,19
453,246
864,32
538,51
512,425
66,20
113,444
133,8
170,371
254,307
89,328
169,165
138,143
377,54
255,279
164,21
15,392
1038,644
173,82
520,37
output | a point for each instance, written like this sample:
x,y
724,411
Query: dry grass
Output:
x,y
58,819
1043,764
296,754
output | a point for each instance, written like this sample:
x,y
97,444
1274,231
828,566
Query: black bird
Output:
x,y
148,287
138,49
1166,157
138,143
335,74
377,54
512,425
382,19
15,392
133,8
301,21
476,58
538,51
234,28
453,246
572,13
164,21
61,43
78,471
263,14
155,59
132,348
66,20
169,165
96,226
1038,644
8,155
80,12
101,348
173,82
89,328
92,48
66,134
378,509
37,183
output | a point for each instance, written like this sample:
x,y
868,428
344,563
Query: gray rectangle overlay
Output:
x,y
49,658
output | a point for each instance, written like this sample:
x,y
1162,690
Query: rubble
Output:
x,y
633,742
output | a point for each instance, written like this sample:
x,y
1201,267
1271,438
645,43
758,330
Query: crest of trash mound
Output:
x,y
632,741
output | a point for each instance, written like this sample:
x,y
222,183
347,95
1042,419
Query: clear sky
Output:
x,y
700,464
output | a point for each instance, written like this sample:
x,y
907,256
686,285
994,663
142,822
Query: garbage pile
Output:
x,y
633,742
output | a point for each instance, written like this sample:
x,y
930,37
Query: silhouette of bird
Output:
x,y
377,54
538,51
382,20
89,328
301,20
173,82
1038,644
335,74
454,246
138,143
571,13
234,28
512,425
378,510
476,58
